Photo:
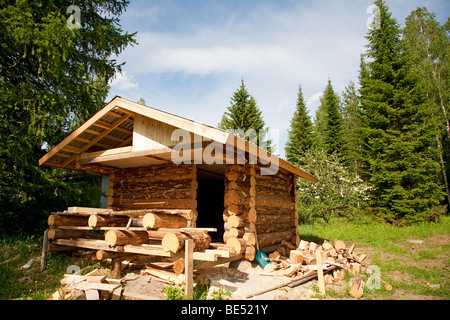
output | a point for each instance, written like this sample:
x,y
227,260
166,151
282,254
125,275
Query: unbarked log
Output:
x,y
238,244
124,237
96,221
66,234
269,239
55,220
174,241
161,220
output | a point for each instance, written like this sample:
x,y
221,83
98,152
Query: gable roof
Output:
x,y
105,141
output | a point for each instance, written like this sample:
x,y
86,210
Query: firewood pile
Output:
x,y
329,262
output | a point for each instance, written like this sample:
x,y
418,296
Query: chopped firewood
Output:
x,y
274,255
339,245
304,245
357,287
327,245
296,256
313,246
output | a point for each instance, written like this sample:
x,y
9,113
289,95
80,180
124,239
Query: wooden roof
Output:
x,y
127,134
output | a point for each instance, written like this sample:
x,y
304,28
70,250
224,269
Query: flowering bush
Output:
x,y
340,191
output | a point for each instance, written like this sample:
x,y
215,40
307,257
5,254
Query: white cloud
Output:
x,y
123,81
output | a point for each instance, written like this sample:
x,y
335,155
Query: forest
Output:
x,y
380,148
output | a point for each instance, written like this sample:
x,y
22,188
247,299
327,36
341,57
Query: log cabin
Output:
x,y
214,178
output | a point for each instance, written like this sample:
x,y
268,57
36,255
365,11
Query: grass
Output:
x,y
416,271
32,284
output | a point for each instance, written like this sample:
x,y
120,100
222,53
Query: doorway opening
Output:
x,y
210,202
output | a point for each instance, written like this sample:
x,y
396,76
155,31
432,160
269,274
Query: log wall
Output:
x,y
155,187
259,205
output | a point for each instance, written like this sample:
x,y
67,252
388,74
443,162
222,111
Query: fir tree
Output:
x,y
329,134
395,136
427,43
244,116
350,114
300,132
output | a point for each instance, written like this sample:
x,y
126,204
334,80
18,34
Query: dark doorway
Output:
x,y
210,196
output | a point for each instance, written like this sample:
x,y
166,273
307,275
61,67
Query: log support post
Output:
x,y
189,268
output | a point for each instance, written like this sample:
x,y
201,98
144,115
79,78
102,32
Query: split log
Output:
x,y
339,245
174,241
66,234
55,220
124,237
96,221
356,289
238,244
296,256
154,221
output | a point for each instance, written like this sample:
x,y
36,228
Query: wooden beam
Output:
x,y
99,137
78,131
189,266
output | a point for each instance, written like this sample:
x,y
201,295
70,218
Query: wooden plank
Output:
x,y
86,209
106,152
78,131
96,286
320,272
189,265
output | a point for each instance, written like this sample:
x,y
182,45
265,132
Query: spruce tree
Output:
x,y
427,43
300,132
329,134
396,138
244,116
350,114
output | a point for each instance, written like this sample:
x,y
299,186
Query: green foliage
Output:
x,y
339,192
300,132
350,114
329,130
52,78
244,118
398,155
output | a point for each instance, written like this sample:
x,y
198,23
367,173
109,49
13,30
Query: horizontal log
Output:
x,y
124,237
273,219
65,234
67,220
161,194
154,221
234,197
235,222
274,201
174,242
269,239
96,221
155,203
268,228
238,244
250,253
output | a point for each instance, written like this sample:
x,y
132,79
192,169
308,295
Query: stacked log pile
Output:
x,y
147,232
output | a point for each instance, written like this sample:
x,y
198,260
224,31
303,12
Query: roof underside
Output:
x,y
105,142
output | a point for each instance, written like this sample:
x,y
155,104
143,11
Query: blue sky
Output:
x,y
192,54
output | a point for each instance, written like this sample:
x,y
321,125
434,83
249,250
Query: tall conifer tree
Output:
x,y
396,139
243,115
300,132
